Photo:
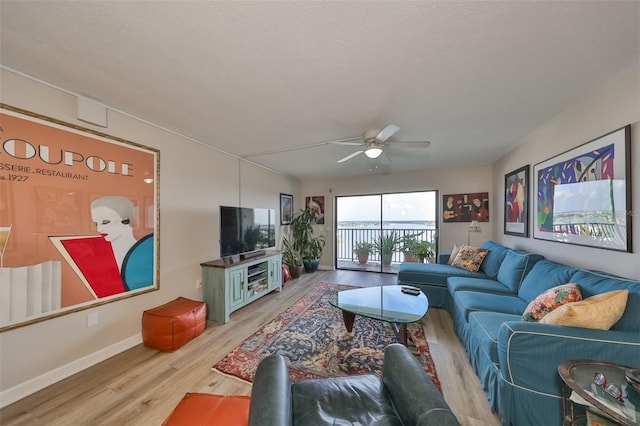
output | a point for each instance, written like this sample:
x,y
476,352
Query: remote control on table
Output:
x,y
411,291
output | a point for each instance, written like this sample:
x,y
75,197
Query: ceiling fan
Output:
x,y
373,143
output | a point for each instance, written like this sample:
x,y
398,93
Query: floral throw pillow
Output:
x,y
469,258
550,300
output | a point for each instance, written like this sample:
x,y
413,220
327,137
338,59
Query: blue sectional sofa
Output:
x,y
517,360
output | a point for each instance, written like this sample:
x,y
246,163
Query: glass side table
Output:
x,y
580,388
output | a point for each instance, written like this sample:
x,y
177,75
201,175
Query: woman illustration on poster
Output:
x,y
113,216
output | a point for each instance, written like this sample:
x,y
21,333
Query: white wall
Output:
x,y
194,181
447,181
599,113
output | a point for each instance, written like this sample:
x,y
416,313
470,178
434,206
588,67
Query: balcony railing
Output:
x,y
347,238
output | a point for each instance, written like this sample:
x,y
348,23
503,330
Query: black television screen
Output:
x,y
244,229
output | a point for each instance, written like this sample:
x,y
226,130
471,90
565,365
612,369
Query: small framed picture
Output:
x,y
286,209
516,202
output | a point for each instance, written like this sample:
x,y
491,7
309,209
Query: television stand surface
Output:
x,y
228,286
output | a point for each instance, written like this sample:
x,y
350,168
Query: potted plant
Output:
x,y
309,247
291,258
386,245
408,242
423,250
362,250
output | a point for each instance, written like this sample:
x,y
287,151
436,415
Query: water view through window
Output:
x,y
382,220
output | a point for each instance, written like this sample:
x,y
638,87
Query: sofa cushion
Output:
x,y
342,400
600,311
493,259
471,301
550,300
469,258
544,275
484,328
477,284
515,266
594,282
431,273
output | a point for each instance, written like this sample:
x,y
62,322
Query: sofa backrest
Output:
x,y
596,282
492,261
515,267
544,275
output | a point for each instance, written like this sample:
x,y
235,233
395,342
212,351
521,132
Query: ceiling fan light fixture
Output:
x,y
373,152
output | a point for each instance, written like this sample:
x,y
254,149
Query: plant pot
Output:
x,y
363,258
386,259
295,271
408,257
311,265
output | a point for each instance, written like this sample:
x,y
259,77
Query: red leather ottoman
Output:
x,y
200,409
172,325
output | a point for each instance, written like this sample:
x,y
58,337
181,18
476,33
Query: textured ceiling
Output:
x,y
247,77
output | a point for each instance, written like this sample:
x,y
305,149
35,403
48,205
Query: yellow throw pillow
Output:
x,y
454,253
601,311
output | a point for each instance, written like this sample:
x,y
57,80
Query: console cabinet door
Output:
x,y
275,272
236,286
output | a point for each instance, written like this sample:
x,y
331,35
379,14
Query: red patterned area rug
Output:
x,y
312,338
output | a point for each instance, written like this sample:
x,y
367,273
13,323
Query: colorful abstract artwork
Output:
x,y
583,194
516,202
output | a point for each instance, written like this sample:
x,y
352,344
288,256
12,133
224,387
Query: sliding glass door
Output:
x,y
372,230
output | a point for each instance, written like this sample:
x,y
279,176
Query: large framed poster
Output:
x,y
79,218
516,202
583,196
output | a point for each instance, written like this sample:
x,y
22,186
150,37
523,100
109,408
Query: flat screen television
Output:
x,y
245,229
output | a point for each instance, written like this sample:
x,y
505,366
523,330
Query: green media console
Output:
x,y
231,283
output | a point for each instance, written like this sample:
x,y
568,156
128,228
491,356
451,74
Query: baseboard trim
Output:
x,y
22,390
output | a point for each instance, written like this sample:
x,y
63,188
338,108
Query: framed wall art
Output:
x,y
465,207
286,209
79,218
583,196
316,204
516,202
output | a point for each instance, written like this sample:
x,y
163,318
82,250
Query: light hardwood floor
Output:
x,y
141,385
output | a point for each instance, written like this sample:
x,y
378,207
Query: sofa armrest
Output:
x,y
271,394
415,397
529,352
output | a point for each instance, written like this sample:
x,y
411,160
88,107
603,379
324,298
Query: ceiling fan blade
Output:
x,y
350,156
388,131
354,141
345,143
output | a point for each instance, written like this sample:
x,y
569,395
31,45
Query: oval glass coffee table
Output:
x,y
388,303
